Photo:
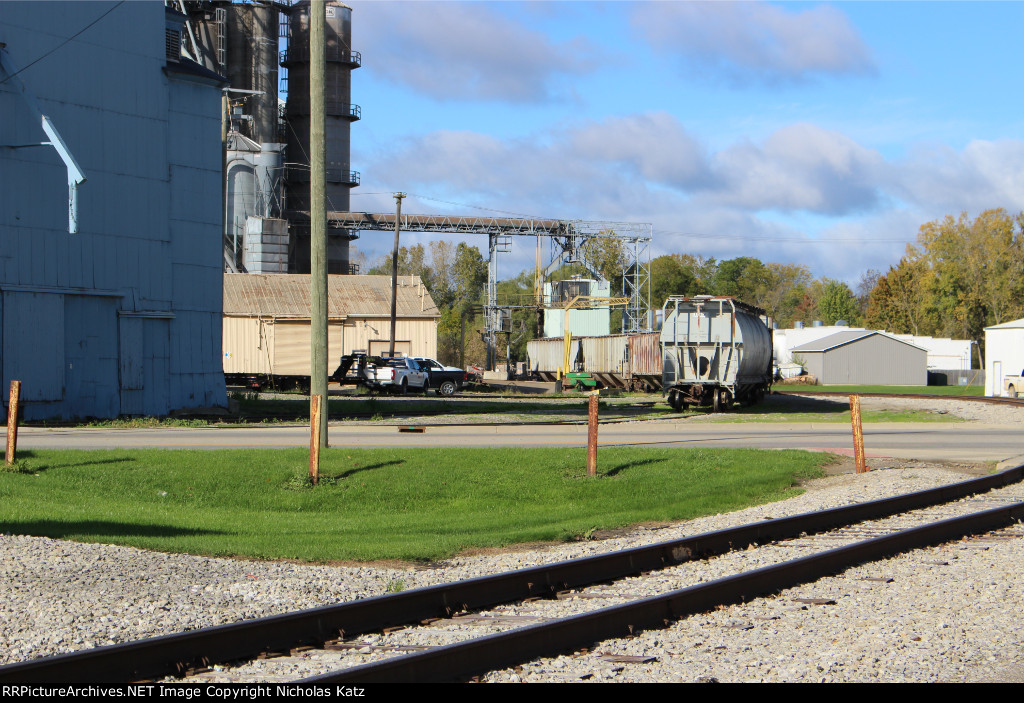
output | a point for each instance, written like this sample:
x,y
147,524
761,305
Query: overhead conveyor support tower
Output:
x,y
567,238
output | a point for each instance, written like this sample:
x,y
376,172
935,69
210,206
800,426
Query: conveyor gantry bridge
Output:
x,y
567,239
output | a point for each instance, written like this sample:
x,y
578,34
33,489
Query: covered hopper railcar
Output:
x,y
710,351
715,350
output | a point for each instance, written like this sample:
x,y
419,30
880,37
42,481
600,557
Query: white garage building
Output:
x,y
1004,354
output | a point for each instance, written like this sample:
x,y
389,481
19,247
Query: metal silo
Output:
x,y
340,115
240,41
252,53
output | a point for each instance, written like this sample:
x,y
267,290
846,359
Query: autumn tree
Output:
x,y
975,270
899,300
607,256
781,289
868,281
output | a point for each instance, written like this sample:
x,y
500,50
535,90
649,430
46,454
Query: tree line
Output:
x,y
961,276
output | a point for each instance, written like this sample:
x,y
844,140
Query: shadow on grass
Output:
x,y
616,470
98,528
30,455
786,404
351,472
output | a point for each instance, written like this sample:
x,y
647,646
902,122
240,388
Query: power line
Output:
x,y
73,36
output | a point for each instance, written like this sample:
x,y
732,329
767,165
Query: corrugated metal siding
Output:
x,y
149,213
582,323
877,360
545,354
33,345
618,359
645,354
248,345
287,295
90,374
282,347
605,354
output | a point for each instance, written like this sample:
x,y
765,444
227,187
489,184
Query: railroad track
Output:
x,y
548,609
845,394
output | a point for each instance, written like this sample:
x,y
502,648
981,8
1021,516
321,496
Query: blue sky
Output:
x,y
822,134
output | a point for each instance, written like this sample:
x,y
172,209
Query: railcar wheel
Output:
x,y
722,401
675,400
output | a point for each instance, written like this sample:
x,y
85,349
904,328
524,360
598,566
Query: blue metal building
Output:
x,y
122,317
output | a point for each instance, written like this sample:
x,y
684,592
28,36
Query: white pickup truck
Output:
x,y
394,375
1013,386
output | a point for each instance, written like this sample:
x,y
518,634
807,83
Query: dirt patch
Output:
x,y
847,465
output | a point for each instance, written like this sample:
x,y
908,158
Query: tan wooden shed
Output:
x,y
267,327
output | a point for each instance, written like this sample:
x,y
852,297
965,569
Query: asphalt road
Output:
x,y
967,442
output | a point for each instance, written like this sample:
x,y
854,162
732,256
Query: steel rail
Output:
x,y
997,400
175,654
466,659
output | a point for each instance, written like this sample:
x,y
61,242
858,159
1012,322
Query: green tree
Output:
x,y
740,278
518,291
461,278
469,274
837,302
669,276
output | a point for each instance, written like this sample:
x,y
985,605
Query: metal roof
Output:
x,y
287,295
840,338
1011,325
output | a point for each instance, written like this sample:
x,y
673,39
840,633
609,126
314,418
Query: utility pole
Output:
x,y
394,273
318,215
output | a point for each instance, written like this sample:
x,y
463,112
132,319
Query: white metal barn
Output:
x,y
862,357
1004,354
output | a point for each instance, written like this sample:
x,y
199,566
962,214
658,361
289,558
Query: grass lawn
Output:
x,y
409,504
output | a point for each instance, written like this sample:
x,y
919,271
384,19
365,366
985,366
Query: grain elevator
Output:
x,y
265,130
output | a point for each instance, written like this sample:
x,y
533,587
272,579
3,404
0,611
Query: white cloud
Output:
x,y
755,41
465,51
986,174
758,199
799,167
654,146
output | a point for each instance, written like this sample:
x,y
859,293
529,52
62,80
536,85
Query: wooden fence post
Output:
x,y
12,422
858,434
315,408
592,435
